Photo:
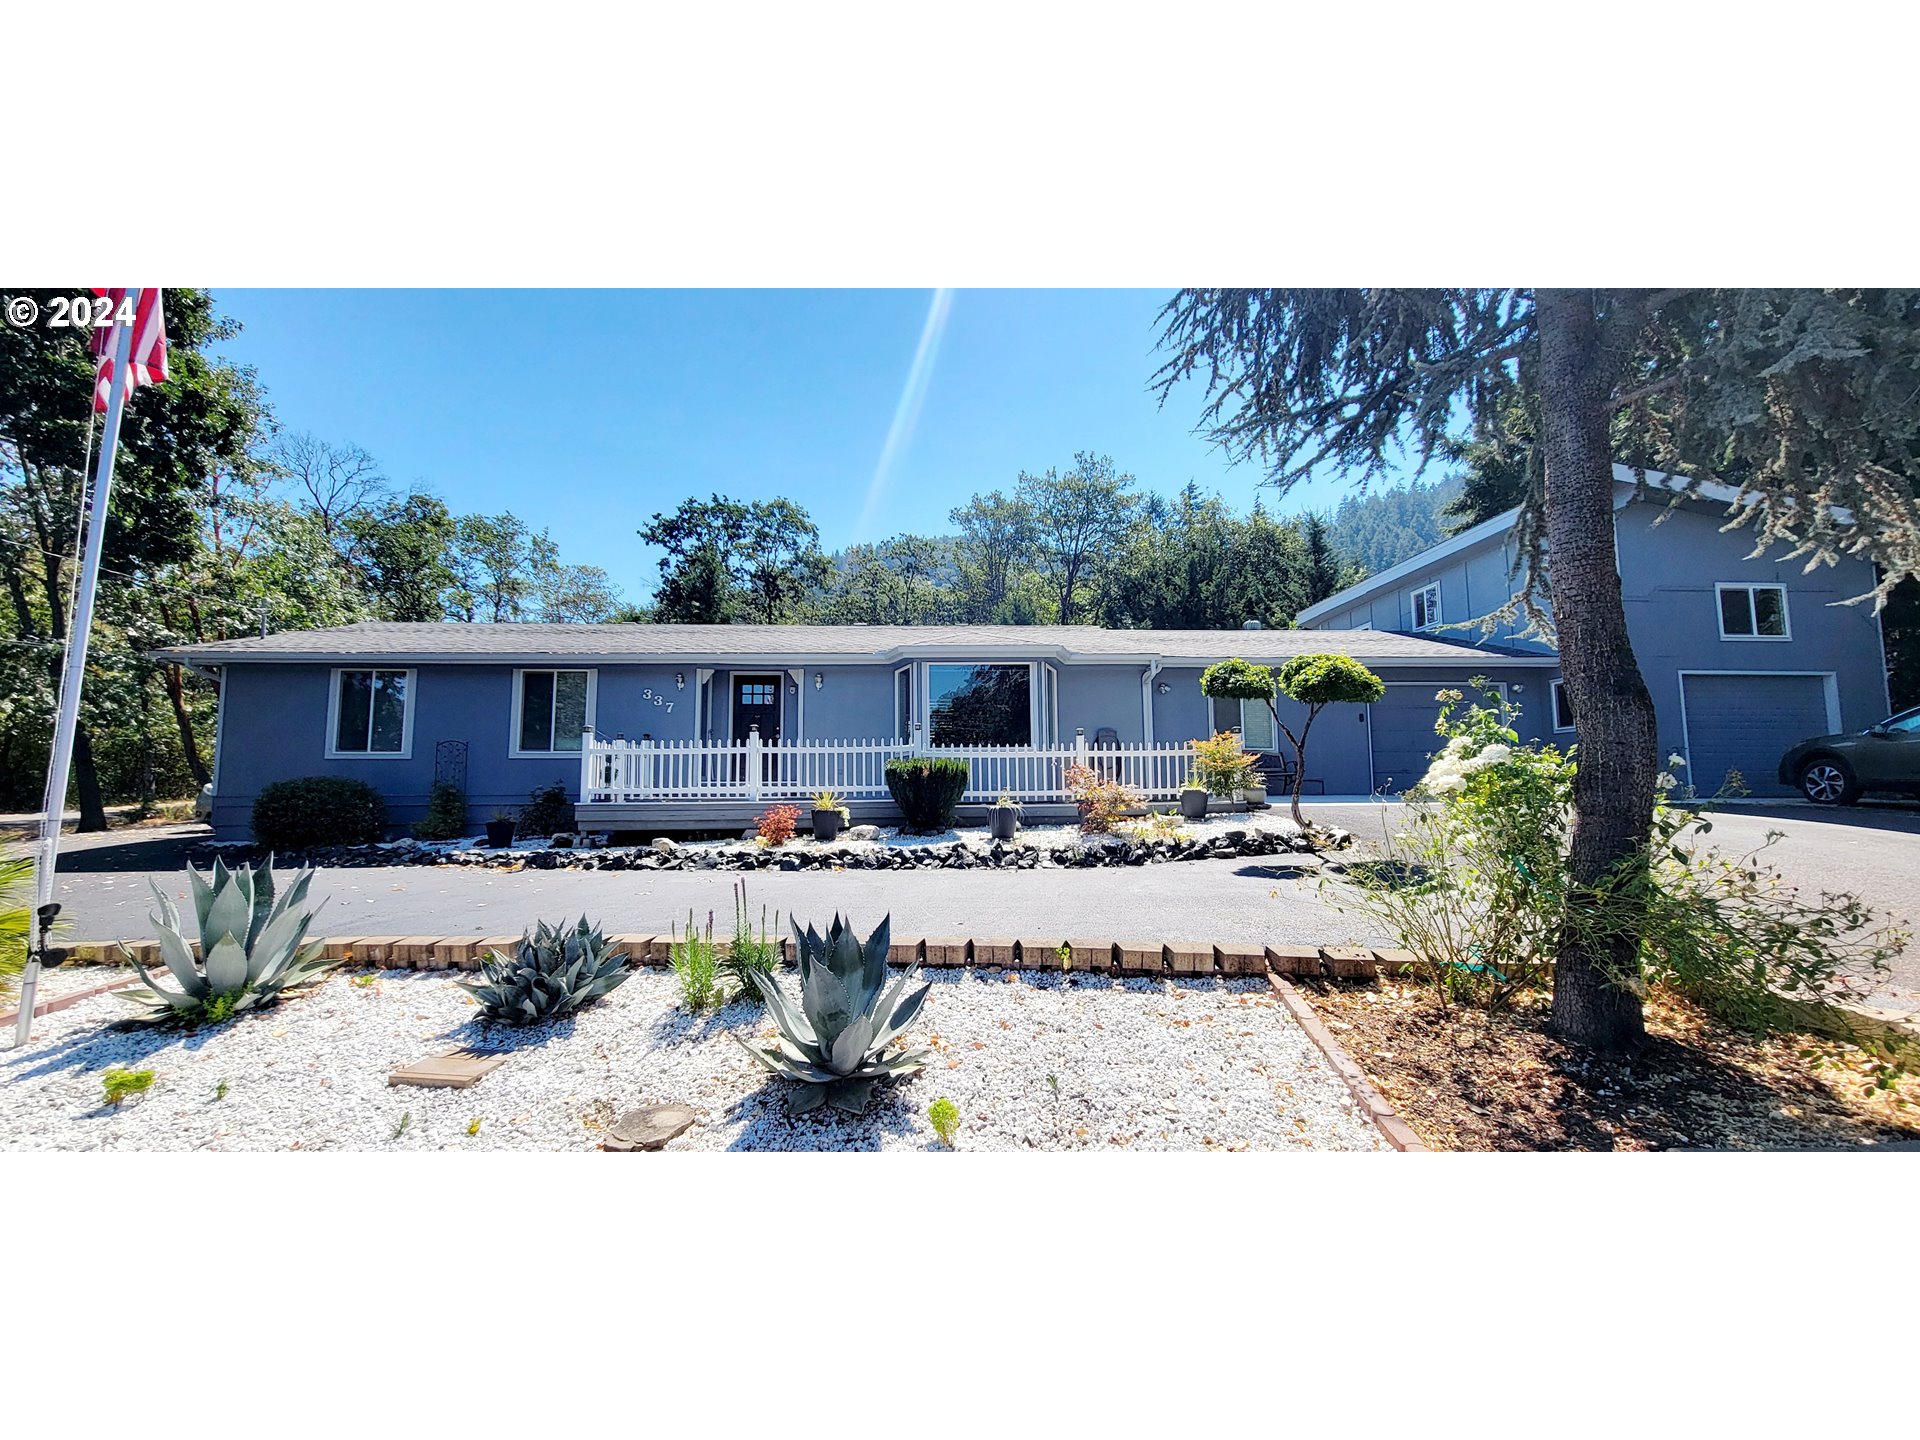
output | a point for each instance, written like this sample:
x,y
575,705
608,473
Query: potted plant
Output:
x,y
1003,817
829,815
1193,797
1225,769
1252,790
500,828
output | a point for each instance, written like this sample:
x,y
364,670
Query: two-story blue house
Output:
x,y
1744,654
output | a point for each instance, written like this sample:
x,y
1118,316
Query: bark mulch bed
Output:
x,y
1464,1083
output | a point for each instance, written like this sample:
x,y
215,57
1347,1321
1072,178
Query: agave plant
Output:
x,y
553,972
836,1043
251,934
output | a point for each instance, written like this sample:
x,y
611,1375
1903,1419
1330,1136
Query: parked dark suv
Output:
x,y
1839,769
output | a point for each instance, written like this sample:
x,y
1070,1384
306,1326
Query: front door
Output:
x,y
756,704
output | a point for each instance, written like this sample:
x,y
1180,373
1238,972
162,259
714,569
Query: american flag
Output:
x,y
146,357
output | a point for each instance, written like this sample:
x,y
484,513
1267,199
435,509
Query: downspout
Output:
x,y
1146,701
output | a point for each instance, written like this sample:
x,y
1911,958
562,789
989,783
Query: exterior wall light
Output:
x,y
679,679
1164,688
819,680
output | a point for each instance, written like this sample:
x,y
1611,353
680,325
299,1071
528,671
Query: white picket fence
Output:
x,y
625,771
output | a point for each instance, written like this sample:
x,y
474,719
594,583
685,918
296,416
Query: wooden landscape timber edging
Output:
x,y
1065,953
1395,1131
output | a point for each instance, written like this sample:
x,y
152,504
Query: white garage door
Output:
x,y
1746,723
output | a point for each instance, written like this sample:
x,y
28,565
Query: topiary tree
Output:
x,y
1315,681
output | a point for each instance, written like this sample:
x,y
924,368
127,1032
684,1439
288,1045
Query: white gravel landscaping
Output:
x,y
1033,1061
57,981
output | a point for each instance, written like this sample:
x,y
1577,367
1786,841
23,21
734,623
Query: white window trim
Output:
x,y
405,752
1037,728
1413,606
912,701
1786,610
1556,688
514,752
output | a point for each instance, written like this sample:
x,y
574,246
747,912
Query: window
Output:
x,y
551,708
903,703
1562,707
1426,606
371,716
755,692
980,704
1905,723
1753,612
1251,718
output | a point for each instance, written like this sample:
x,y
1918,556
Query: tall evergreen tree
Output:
x,y
1806,397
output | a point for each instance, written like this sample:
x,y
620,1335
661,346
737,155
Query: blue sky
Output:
x,y
585,411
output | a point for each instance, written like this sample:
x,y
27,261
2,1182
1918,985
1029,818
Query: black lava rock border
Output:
x,y
954,855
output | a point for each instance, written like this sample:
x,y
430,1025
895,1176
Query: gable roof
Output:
x,y
1498,526
534,644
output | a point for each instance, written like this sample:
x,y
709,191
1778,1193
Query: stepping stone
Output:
x,y
455,1070
649,1127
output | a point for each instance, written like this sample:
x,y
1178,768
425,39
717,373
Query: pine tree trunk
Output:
x,y
1618,743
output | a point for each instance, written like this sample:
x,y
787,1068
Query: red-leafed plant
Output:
x,y
1101,798
776,826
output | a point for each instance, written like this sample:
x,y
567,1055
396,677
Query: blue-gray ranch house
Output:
x,y
662,727
658,727
1744,654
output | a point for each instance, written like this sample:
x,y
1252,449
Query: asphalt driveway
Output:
x,y
1871,849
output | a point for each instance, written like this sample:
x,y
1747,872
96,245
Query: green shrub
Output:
x,y
749,951
446,817
547,812
1220,765
16,903
696,965
1478,887
318,810
116,1084
945,1118
927,791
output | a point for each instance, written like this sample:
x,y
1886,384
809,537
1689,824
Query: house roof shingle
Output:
x,y
458,643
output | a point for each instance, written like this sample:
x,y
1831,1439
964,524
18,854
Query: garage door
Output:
x,y
1401,723
1746,723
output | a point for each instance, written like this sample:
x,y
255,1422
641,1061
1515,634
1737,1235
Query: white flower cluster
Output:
x,y
1451,767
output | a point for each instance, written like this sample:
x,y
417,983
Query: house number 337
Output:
x,y
657,698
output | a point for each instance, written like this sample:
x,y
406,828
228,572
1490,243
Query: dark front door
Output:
x,y
756,704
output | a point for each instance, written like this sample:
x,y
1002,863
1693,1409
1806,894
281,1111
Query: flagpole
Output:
x,y
72,670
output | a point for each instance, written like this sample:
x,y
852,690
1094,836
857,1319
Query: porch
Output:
x,y
626,783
